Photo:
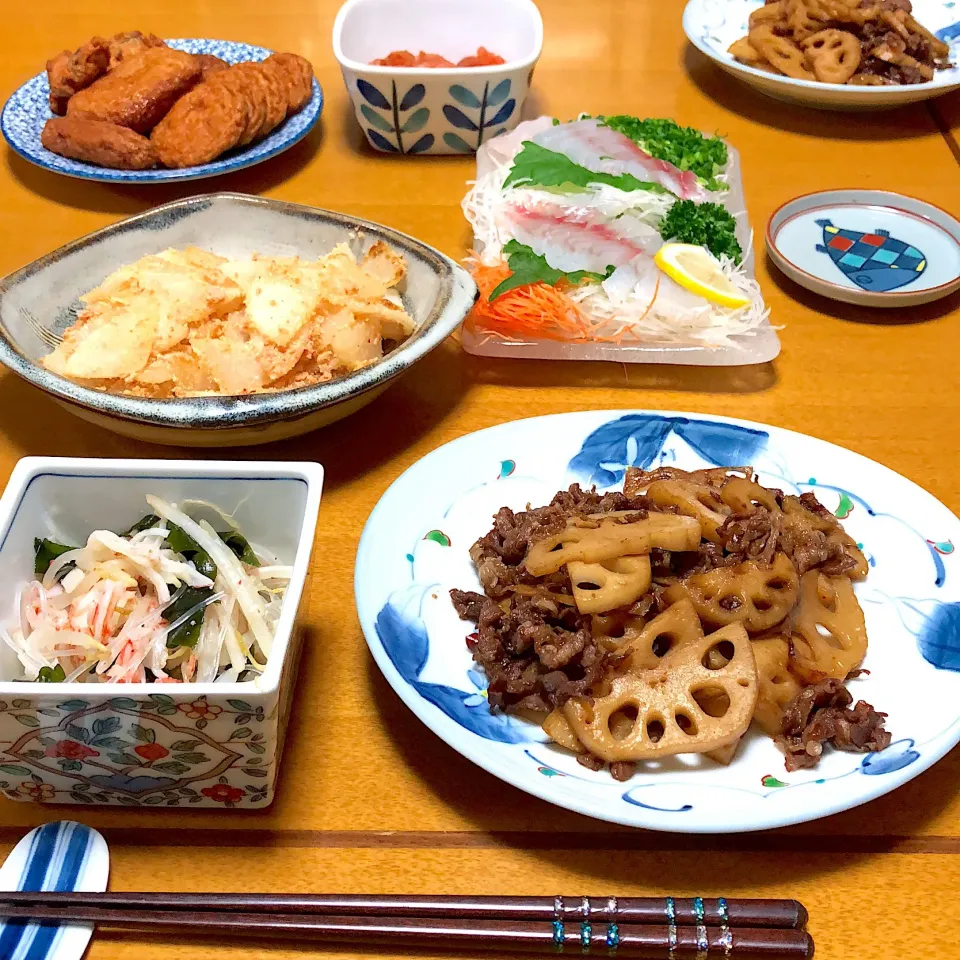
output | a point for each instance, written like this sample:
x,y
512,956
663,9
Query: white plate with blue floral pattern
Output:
x,y
28,110
415,548
712,25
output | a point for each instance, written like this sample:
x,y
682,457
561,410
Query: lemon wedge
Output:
x,y
698,271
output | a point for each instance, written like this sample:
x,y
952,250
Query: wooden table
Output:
x,y
371,801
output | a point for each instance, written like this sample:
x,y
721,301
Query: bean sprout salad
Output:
x,y
171,600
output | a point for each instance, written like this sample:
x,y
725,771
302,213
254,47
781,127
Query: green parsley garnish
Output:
x,y
536,166
684,147
530,267
707,225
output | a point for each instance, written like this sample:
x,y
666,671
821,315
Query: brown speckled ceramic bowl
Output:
x,y
437,293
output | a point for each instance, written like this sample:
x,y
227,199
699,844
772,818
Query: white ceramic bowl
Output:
x,y
144,744
418,110
712,25
437,293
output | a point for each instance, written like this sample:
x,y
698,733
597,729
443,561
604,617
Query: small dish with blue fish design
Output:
x,y
868,247
436,110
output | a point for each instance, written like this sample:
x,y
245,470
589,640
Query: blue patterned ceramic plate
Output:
x,y
27,111
415,547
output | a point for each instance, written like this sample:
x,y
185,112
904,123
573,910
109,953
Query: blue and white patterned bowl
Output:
x,y
417,110
712,25
28,110
415,547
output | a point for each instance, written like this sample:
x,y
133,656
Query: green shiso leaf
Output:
x,y
529,267
536,166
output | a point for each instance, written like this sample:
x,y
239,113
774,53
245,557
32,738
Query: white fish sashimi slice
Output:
x,y
501,150
602,150
573,238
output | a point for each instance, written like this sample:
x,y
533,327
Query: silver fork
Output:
x,y
48,337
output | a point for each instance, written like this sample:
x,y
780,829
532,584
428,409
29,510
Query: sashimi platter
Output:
x,y
613,238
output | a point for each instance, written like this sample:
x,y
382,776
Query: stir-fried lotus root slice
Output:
x,y
829,632
592,540
833,54
742,496
616,629
609,584
682,706
778,686
781,52
797,516
691,499
724,755
638,481
677,628
758,597
558,728
769,13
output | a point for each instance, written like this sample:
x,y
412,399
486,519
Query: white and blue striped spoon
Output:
x,y
62,856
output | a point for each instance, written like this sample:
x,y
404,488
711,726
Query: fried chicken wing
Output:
x,y
140,90
99,142
68,73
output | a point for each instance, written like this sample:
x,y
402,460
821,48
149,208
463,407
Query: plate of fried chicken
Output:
x,y
136,108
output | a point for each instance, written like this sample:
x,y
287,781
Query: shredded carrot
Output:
x,y
536,310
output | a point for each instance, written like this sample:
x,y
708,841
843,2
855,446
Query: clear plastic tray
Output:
x,y
758,347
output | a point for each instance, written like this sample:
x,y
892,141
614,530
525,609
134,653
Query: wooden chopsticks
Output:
x,y
671,928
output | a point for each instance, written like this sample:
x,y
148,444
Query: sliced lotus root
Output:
x,y
606,539
743,496
768,14
637,481
802,20
616,628
833,54
797,516
778,686
758,597
829,632
682,706
781,53
743,50
724,755
692,499
677,628
557,727
599,587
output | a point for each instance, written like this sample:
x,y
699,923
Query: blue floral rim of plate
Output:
x,y
929,612
28,110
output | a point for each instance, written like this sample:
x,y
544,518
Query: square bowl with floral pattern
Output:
x,y
433,110
148,744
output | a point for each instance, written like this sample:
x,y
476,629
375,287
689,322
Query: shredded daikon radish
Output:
x,y
129,608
